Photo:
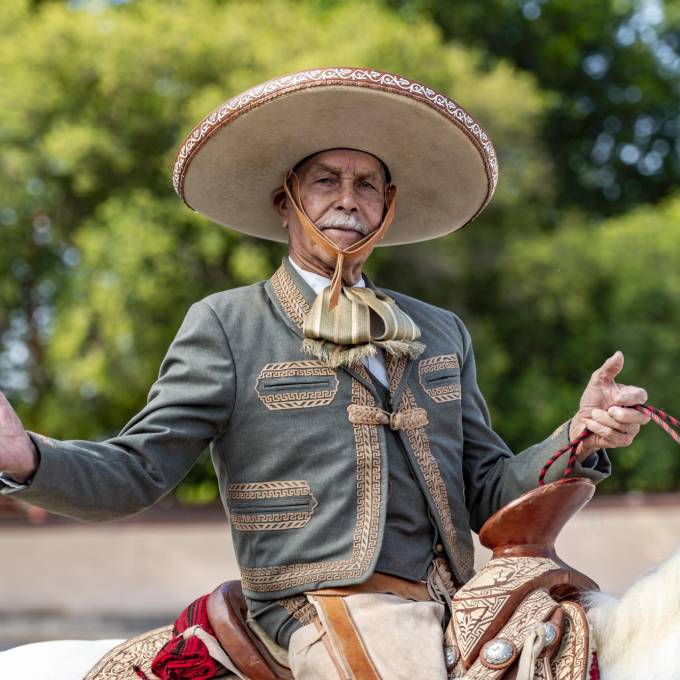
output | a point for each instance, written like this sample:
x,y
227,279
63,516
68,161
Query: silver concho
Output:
x,y
498,652
550,633
450,656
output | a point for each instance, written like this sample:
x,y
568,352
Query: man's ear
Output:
x,y
280,204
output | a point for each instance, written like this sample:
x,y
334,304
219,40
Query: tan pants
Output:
x,y
402,638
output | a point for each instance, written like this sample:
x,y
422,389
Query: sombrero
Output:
x,y
439,157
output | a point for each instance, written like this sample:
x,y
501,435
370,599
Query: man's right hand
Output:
x,y
18,455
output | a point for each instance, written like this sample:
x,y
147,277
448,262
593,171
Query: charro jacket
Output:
x,y
298,447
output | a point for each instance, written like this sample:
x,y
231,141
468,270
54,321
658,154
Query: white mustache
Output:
x,y
344,221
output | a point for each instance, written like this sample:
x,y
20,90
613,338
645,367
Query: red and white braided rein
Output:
x,y
661,418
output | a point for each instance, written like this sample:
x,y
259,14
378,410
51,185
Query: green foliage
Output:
x,y
100,260
613,67
593,289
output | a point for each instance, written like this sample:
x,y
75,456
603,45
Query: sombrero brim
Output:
x,y
441,159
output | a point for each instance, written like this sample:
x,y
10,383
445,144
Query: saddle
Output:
x,y
518,618
227,614
524,587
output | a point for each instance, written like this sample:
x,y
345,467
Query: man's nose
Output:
x,y
347,198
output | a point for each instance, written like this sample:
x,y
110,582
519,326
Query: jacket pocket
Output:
x,y
440,377
270,506
296,384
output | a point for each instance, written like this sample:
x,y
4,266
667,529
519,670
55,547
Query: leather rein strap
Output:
x,y
359,248
661,418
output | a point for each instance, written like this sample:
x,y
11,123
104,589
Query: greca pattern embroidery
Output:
x,y
366,530
271,519
420,445
292,385
277,87
396,366
439,391
290,298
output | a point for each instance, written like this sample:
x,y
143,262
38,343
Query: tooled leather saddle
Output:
x,y
524,588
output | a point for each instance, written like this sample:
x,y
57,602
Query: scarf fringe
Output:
x,y
337,355
401,348
345,355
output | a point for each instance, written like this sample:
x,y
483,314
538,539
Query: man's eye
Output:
x,y
366,185
325,180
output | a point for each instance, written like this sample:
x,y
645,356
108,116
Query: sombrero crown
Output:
x,y
440,158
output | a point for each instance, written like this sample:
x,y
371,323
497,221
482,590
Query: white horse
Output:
x,y
637,637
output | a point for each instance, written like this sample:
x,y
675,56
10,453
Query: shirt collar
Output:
x,y
317,282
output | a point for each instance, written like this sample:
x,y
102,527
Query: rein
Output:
x,y
661,418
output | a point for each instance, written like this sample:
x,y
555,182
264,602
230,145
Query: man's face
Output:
x,y
343,192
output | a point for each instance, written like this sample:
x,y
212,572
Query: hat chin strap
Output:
x,y
359,248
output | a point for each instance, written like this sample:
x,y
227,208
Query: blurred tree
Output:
x,y
613,67
592,289
103,258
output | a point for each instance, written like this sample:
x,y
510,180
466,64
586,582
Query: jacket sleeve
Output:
x,y
493,475
187,407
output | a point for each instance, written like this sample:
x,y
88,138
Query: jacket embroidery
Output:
x,y
366,530
290,297
395,370
296,384
443,387
271,506
299,607
420,444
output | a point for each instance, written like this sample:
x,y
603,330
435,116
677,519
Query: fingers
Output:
x,y
610,368
616,427
628,415
606,419
610,438
630,395
8,418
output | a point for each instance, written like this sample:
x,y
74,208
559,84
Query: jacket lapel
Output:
x,y
292,298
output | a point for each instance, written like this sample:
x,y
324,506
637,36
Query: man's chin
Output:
x,y
343,238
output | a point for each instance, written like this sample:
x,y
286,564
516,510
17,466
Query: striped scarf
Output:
x,y
362,321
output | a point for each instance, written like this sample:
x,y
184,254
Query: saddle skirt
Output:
x,y
520,617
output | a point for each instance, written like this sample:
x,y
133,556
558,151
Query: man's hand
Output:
x,y
605,409
18,456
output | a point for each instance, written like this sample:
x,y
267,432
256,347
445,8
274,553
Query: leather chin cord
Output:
x,y
357,250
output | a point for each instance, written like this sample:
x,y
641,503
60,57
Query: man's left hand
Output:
x,y
606,410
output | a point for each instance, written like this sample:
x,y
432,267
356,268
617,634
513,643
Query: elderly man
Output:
x,y
352,445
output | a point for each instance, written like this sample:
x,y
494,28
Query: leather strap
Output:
x,y
356,250
336,617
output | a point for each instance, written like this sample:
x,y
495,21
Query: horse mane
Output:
x,y
638,636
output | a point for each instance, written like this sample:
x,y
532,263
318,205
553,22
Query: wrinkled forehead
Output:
x,y
333,157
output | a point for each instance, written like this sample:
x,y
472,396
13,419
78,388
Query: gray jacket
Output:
x,y
299,454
